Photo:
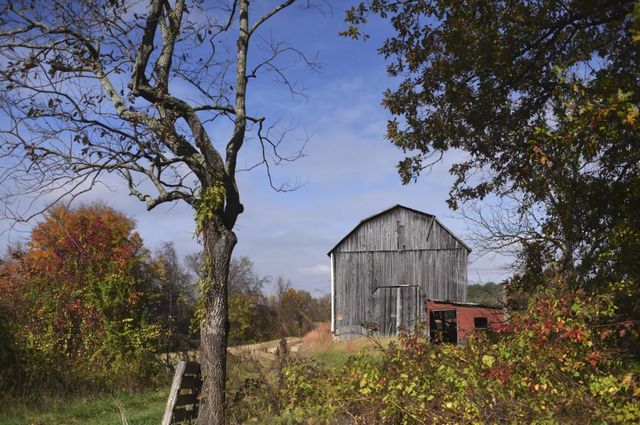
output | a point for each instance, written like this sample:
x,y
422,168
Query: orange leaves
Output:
x,y
631,116
542,158
61,226
77,289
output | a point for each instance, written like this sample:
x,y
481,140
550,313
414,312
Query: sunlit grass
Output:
x,y
143,408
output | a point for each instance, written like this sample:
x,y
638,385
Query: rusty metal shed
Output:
x,y
385,269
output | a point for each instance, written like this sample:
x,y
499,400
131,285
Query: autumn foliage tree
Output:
x,y
78,305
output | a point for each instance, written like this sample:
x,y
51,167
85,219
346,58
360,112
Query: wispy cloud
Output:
x,y
317,270
349,168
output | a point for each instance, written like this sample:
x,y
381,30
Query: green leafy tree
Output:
x,y
489,294
543,98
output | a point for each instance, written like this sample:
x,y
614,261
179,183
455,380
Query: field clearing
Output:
x,y
138,409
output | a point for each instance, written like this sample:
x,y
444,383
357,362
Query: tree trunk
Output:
x,y
218,243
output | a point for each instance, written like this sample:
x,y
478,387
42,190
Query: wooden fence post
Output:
x,y
183,407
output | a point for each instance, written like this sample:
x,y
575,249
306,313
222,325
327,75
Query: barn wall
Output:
x,y
398,255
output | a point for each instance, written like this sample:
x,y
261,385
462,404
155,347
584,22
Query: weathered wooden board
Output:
x,y
401,248
182,407
182,414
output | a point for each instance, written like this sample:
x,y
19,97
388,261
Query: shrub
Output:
x,y
78,320
550,363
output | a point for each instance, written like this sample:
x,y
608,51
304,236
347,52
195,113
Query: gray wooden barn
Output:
x,y
385,269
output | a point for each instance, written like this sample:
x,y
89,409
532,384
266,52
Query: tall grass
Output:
x,y
319,339
320,345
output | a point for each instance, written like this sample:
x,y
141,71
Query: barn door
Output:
x,y
397,306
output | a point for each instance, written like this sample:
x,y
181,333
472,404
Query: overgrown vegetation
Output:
x,y
76,307
551,363
86,309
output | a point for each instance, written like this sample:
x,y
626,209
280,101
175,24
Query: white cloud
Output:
x,y
317,270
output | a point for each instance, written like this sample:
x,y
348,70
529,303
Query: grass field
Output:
x,y
136,409
148,407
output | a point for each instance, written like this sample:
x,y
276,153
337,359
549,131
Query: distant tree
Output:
x,y
246,323
243,277
79,313
250,318
136,89
489,294
175,298
323,312
298,311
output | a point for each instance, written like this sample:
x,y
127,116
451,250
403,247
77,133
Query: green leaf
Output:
x,y
488,360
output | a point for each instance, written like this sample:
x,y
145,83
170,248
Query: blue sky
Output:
x,y
348,171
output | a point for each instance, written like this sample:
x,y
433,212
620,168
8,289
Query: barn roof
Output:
x,y
383,212
466,304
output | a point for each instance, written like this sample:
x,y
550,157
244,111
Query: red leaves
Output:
x,y
501,372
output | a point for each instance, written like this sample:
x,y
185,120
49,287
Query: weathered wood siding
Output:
x,y
401,254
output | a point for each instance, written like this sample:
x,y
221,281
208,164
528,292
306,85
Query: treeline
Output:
x,y
86,307
488,294
255,317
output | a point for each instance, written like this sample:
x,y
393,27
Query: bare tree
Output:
x,y
243,279
89,87
175,290
520,227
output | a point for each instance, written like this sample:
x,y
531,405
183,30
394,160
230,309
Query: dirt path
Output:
x,y
266,349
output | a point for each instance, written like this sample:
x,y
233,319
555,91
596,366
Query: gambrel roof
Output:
x,y
387,211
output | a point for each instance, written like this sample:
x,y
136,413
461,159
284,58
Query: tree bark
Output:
x,y
218,243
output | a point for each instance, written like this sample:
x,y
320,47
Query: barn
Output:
x,y
385,269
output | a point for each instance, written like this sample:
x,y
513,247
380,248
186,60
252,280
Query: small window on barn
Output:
x,y
480,322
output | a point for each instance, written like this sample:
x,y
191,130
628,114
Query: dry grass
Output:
x,y
319,339
320,345
350,349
